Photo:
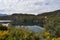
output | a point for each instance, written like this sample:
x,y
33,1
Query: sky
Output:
x,y
28,6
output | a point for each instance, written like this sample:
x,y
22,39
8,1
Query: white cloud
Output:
x,y
28,6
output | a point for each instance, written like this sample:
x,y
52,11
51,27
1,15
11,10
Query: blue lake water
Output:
x,y
5,21
35,28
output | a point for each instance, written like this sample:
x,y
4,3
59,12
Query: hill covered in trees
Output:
x,y
30,19
40,19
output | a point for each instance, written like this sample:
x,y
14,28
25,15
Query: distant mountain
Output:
x,y
22,17
3,14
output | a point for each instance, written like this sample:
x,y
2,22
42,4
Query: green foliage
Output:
x,y
19,34
1,25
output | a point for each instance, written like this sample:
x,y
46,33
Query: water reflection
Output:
x,y
35,28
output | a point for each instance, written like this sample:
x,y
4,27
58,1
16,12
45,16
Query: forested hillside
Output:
x,y
30,19
40,19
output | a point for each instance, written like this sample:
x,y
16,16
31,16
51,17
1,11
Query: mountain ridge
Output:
x,y
3,14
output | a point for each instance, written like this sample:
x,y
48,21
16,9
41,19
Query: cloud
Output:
x,y
28,6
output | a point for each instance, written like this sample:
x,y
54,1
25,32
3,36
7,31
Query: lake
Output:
x,y
35,28
5,21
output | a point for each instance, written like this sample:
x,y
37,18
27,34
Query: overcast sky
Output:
x,y
28,6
